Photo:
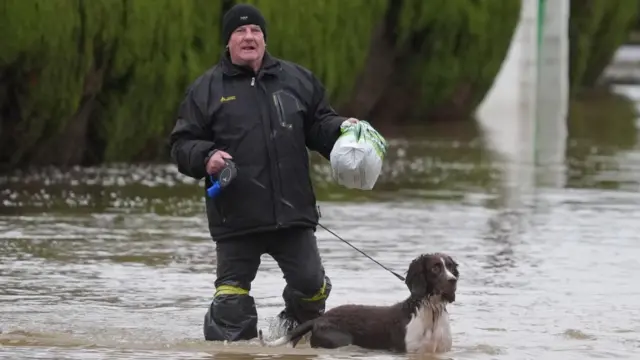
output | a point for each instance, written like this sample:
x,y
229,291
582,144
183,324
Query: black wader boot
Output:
x,y
300,307
232,315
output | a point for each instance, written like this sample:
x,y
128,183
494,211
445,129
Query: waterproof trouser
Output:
x,y
232,314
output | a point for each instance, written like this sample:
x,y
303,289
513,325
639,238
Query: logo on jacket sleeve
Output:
x,y
227,99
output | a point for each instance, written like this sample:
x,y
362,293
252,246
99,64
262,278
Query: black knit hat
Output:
x,y
242,14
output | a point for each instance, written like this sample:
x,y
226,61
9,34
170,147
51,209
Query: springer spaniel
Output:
x,y
419,324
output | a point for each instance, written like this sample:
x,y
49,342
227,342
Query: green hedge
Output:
x,y
87,81
42,66
597,29
131,59
455,49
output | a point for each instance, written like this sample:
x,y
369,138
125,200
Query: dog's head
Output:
x,y
433,274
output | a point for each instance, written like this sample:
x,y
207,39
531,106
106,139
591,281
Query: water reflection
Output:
x,y
600,138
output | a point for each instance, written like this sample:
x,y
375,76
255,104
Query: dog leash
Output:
x,y
336,235
362,252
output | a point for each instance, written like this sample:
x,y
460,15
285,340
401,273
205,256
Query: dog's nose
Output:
x,y
453,281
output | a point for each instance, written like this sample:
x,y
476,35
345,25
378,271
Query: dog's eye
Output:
x,y
436,268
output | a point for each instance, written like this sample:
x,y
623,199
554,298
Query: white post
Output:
x,y
552,93
524,114
507,113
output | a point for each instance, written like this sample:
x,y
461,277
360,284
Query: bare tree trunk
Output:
x,y
376,76
68,147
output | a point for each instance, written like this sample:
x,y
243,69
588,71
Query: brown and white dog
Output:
x,y
419,324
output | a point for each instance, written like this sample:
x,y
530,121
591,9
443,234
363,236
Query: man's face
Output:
x,y
246,44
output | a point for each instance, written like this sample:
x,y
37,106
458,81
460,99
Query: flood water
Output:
x,y
115,262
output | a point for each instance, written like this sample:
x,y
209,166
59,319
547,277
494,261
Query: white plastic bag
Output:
x,y
356,158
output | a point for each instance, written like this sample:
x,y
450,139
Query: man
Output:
x,y
261,113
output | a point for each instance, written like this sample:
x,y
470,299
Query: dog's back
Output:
x,y
368,326
371,327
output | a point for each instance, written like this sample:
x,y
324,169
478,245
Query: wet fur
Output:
x,y
420,323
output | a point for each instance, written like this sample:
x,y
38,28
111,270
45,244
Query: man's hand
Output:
x,y
216,162
352,120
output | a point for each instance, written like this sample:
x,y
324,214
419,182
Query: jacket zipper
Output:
x,y
281,122
280,109
267,141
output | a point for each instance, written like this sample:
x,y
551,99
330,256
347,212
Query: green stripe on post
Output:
x,y
542,7
541,17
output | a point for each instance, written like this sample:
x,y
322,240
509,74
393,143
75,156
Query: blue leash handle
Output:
x,y
223,179
213,190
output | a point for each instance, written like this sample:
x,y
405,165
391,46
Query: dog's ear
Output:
x,y
416,279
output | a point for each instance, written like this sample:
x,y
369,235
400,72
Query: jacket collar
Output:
x,y
270,65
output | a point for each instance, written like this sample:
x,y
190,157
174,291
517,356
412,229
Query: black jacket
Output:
x,y
265,122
